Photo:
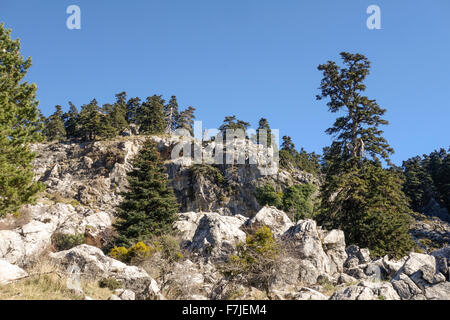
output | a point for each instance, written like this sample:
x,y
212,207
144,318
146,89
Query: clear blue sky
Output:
x,y
252,58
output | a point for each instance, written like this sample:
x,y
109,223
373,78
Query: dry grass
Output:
x,y
46,282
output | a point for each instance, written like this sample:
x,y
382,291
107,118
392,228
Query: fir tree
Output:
x,y
149,206
172,114
358,195
19,126
356,132
93,123
150,116
186,120
117,113
54,126
71,122
133,106
264,125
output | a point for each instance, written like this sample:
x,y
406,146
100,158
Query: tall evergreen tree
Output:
x,y
54,126
150,116
172,114
186,120
149,206
93,123
117,113
359,196
133,105
356,132
19,126
71,121
264,125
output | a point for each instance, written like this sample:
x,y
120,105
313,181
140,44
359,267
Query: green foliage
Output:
x,y
54,128
185,120
67,241
169,248
93,123
209,171
290,158
359,196
268,196
368,204
150,115
149,205
356,132
297,201
428,177
110,283
19,127
172,114
257,260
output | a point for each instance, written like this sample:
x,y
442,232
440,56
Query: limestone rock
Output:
x,y
217,235
276,220
10,272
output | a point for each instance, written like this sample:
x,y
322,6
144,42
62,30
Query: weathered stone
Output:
x,y
10,272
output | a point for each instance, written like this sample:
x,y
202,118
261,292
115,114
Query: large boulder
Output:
x,y
93,263
217,236
10,272
276,220
304,243
419,278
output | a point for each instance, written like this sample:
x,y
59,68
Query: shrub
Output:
x,y
169,248
257,260
297,201
110,283
266,195
67,241
135,254
119,253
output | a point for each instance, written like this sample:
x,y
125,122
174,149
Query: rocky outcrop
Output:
x,y
10,272
22,244
94,173
419,279
92,263
367,290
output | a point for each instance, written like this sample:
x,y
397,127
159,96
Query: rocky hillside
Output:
x,y
218,207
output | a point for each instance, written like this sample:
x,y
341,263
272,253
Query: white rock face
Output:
x,y
276,220
218,235
307,248
23,244
10,272
366,290
419,278
93,262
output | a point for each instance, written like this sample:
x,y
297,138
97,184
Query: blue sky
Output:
x,y
252,58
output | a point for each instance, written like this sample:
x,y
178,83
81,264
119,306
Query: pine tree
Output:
x,y
149,206
172,114
54,126
133,106
117,113
150,116
71,122
264,125
359,196
93,123
356,132
19,126
186,120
